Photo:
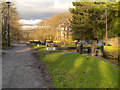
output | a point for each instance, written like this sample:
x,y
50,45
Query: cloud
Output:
x,y
40,13
41,9
24,21
62,4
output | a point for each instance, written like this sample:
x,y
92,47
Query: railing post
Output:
x,y
76,45
88,49
102,50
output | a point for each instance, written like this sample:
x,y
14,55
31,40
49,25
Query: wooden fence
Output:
x,y
94,50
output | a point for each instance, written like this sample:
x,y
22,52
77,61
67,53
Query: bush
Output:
x,y
69,41
109,45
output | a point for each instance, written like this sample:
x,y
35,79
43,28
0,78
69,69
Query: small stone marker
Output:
x,y
50,48
38,45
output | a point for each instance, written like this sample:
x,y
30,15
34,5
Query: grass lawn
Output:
x,y
70,70
40,47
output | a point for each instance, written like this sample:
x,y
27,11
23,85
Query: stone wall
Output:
x,y
113,41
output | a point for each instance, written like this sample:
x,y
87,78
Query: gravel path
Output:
x,y
21,69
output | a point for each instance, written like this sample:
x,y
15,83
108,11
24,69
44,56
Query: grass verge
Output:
x,y
40,47
112,53
70,70
115,49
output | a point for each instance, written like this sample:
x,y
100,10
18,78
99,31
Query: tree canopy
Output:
x,y
48,28
89,20
15,32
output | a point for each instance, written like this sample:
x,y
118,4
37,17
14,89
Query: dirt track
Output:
x,y
21,68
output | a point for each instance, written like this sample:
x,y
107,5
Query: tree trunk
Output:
x,y
93,48
67,32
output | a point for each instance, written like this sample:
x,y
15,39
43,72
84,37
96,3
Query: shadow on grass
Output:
x,y
73,70
41,48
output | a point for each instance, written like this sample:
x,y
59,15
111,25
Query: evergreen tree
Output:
x,y
89,20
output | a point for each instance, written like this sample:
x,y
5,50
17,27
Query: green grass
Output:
x,y
41,48
114,52
67,44
115,49
75,71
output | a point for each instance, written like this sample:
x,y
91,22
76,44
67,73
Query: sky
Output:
x,y
41,9
29,21
31,11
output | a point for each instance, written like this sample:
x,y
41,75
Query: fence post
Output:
x,y
76,44
88,49
81,48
